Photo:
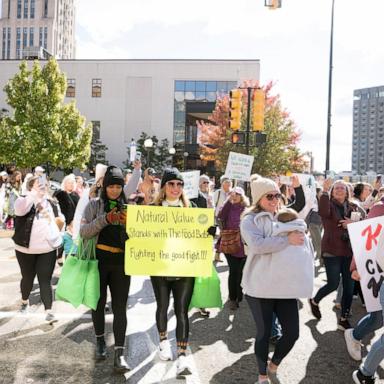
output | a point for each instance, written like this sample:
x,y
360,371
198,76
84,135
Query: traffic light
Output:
x,y
238,138
235,104
258,110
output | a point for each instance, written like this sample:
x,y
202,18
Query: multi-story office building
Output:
x,y
124,98
368,130
37,28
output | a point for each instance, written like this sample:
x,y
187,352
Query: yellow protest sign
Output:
x,y
167,241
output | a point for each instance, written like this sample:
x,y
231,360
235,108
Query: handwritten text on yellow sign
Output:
x,y
168,241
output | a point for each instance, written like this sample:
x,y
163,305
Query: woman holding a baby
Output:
x,y
278,270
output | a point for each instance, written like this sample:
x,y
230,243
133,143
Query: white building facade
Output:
x,y
29,27
123,98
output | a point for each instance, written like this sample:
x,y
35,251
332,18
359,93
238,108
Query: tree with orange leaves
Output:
x,y
278,155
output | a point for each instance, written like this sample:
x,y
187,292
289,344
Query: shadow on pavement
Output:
x,y
234,328
144,296
241,372
330,356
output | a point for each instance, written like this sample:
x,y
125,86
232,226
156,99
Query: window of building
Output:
x,y
18,42
4,43
45,37
200,96
200,86
71,88
19,9
45,8
25,37
95,130
190,86
25,9
32,9
96,87
40,36
179,96
31,36
211,86
190,95
9,44
211,96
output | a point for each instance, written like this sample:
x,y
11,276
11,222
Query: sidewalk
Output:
x,y
33,352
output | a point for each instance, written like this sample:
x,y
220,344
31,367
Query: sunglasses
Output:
x,y
272,196
175,184
205,182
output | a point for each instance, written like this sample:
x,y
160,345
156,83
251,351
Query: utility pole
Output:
x,y
329,115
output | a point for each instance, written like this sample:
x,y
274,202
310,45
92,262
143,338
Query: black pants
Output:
x,y
42,265
357,291
182,290
113,276
287,313
236,265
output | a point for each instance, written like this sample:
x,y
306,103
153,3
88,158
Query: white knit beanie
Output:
x,y
260,186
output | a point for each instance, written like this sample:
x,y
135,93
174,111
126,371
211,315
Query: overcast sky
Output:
x,y
292,44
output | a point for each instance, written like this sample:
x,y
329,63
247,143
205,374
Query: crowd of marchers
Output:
x,y
269,246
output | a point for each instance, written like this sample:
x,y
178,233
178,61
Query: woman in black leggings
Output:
x,y
264,298
172,195
37,238
105,218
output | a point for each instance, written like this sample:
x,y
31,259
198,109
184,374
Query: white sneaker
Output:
x,y
50,318
165,351
353,346
183,368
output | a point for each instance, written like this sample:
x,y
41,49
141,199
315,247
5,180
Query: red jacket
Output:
x,y
335,240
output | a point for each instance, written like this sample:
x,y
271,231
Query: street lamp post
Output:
x,y
148,144
172,151
185,154
329,94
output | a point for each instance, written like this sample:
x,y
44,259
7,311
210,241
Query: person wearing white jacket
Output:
x,y
37,237
260,268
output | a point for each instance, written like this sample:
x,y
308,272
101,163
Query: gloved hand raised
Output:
x,y
122,217
113,217
212,230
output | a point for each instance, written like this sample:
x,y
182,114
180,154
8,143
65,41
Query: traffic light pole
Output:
x,y
248,130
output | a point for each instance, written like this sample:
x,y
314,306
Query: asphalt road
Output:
x,y
221,347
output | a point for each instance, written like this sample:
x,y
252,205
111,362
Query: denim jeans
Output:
x,y
369,323
376,354
334,267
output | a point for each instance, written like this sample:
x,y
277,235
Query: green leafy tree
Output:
x,y
278,155
163,156
41,128
98,154
158,155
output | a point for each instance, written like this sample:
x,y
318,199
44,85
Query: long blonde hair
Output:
x,y
161,197
254,208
